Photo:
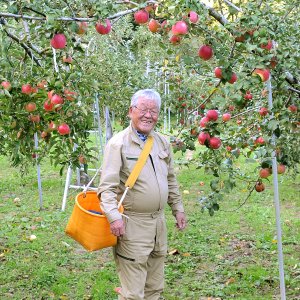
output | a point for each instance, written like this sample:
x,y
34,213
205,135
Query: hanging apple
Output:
x,y
63,129
58,41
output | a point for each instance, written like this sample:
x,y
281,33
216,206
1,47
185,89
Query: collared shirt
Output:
x,y
142,136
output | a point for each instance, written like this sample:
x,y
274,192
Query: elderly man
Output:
x,y
142,236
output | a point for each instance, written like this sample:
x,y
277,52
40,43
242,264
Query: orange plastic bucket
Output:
x,y
88,225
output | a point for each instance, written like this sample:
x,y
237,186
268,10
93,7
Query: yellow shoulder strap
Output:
x,y
140,163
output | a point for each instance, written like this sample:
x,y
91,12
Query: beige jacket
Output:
x,y
156,184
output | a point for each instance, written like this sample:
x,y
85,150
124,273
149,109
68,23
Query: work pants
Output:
x,y
140,255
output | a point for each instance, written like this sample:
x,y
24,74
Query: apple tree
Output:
x,y
215,60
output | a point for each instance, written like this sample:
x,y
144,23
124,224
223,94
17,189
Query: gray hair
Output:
x,y
148,94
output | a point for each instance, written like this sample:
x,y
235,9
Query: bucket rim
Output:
x,y
121,209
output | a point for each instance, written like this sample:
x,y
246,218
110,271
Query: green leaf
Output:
x,y
273,124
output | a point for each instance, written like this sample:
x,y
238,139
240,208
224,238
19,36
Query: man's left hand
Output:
x,y
180,220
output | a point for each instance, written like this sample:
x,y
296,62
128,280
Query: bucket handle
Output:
x,y
88,185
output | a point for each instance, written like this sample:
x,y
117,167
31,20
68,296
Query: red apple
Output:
x,y
212,115
52,126
82,159
233,78
165,26
153,25
259,187
264,173
67,59
263,111
205,52
149,8
50,94
231,107
264,74
204,121
30,107
215,143
141,16
58,41
180,27
6,85
82,27
228,148
273,62
44,134
102,29
293,108
56,99
267,46
226,117
63,129
193,17
260,140
35,118
218,72
42,84
240,38
69,95
175,39
202,137
280,169
48,106
26,89
248,95
34,89
251,31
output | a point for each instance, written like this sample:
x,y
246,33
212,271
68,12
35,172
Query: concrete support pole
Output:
x,y
36,145
276,203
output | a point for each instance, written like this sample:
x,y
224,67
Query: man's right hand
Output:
x,y
117,227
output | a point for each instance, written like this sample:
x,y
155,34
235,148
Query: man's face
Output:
x,y
144,115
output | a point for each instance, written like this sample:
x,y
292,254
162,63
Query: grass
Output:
x,y
232,255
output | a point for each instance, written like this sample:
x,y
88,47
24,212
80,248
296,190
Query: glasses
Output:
x,y
143,111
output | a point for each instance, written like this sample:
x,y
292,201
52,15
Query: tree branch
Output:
x,y
232,5
243,203
222,20
126,2
245,112
37,12
215,14
212,12
294,90
207,99
24,46
290,78
9,15
71,19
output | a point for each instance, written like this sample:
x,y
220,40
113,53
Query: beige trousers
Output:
x,y
140,256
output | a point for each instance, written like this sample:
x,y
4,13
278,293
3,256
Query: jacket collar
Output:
x,y
135,138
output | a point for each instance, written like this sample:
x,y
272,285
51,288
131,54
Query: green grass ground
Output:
x,y
232,255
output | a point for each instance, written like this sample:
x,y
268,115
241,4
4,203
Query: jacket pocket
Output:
x,y
163,162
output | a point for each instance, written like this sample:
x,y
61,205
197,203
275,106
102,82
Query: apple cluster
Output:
x,y
204,137
53,103
59,40
265,173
